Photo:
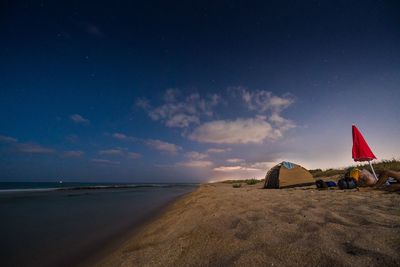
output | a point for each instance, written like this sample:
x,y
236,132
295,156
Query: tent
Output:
x,y
287,174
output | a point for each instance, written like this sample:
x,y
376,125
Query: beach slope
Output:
x,y
218,225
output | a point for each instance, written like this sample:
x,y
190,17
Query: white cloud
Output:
x,y
239,131
105,161
234,168
180,112
235,160
278,103
195,160
242,171
142,103
281,124
276,118
181,120
123,137
196,155
78,119
119,152
235,173
251,166
119,136
218,150
26,147
111,152
34,148
189,112
7,139
263,165
196,164
163,146
73,153
261,100
133,155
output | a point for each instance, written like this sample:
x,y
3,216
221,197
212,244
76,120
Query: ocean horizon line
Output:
x,y
20,187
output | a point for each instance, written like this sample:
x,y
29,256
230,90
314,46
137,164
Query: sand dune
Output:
x,y
218,225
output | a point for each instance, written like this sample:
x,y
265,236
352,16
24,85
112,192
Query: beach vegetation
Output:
x,y
236,185
252,181
393,164
244,181
327,172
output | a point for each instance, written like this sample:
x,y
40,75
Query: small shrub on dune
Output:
x,y
236,185
247,181
252,181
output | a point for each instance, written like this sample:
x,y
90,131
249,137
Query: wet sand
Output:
x,y
218,225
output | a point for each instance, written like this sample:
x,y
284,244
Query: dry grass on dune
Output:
x,y
219,225
392,164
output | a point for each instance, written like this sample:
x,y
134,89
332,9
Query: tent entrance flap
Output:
x,y
272,178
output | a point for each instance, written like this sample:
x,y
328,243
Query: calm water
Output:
x,y
52,224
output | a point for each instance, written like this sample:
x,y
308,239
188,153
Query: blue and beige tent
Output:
x,y
287,174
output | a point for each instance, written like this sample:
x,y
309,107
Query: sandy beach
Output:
x,y
218,225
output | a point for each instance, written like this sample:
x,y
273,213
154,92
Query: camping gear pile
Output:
x,y
350,180
321,184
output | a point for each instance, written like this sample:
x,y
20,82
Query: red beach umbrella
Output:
x,y
361,150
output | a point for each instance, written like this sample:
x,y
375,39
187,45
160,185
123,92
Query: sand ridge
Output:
x,y
218,225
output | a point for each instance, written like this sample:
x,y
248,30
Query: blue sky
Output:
x,y
179,92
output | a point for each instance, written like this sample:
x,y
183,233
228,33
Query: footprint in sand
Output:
x,y
234,223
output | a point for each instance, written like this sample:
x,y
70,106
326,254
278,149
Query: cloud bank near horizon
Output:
x,y
194,114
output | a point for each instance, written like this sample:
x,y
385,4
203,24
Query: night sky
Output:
x,y
193,91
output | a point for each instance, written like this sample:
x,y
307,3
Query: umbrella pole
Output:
x,y
373,171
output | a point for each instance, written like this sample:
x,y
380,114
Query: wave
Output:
x,y
21,190
92,187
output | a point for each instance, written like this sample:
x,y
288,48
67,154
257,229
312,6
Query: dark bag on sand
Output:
x,y
347,183
331,184
321,184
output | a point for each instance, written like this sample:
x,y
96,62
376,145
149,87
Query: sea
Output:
x,y
67,224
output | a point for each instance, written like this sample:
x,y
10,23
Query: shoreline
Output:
x,y
217,225
109,245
